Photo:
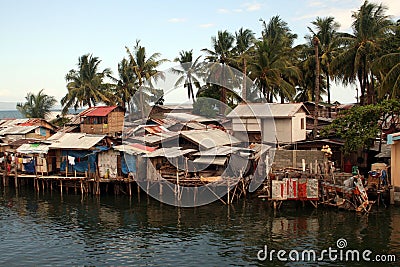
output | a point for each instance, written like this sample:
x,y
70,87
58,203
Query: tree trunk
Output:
x,y
223,91
244,89
328,88
317,73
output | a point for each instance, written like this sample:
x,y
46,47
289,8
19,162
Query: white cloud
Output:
x,y
206,25
223,11
177,20
252,6
238,10
393,8
315,4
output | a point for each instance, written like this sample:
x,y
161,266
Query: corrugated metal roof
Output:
x,y
17,130
153,139
100,111
195,125
33,149
210,138
11,122
266,110
211,160
74,140
135,149
169,152
221,150
184,117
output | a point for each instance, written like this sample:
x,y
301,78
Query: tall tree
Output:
x,y
272,66
36,105
189,72
221,53
86,86
327,34
145,69
244,41
125,85
370,26
317,71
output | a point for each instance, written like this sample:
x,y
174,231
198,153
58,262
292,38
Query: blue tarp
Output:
x,y
83,158
128,163
30,166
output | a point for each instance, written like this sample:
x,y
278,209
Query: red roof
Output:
x,y
98,111
143,147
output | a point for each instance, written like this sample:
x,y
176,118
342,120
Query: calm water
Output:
x,y
47,229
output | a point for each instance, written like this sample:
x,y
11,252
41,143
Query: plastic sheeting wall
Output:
x,y
108,164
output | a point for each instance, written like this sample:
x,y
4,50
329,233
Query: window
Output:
x,y
302,124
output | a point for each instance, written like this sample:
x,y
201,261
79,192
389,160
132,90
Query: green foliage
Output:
x,y
60,121
207,107
36,106
361,125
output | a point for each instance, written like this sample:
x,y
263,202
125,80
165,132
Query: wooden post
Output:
x,y
61,186
228,189
15,176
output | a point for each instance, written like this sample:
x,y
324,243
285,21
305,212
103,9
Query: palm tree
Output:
x,y
387,68
145,69
370,26
273,67
244,41
125,85
222,46
86,85
189,72
326,32
317,71
36,106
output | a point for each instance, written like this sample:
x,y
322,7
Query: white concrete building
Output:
x,y
269,122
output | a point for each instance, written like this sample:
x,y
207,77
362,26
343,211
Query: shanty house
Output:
x,y
77,152
108,120
269,122
394,141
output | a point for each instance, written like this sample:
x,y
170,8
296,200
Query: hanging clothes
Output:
x,y
71,160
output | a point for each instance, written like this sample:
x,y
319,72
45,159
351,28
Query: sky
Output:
x,y
41,40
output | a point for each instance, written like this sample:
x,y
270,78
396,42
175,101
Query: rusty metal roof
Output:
x,y
135,148
99,111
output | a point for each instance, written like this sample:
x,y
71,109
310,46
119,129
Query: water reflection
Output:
x,y
48,229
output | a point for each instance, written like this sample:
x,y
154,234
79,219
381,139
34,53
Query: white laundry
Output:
x,y
71,160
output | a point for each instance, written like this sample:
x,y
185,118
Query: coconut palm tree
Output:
x,y
86,86
244,41
145,69
189,72
125,85
370,27
387,68
273,67
36,105
221,54
326,32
